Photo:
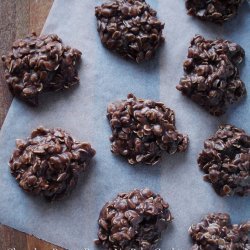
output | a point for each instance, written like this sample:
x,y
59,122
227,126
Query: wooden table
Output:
x,y
17,19
11,239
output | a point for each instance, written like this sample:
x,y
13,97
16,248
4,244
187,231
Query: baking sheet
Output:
x,y
72,223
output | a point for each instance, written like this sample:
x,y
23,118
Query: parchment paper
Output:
x,y
72,223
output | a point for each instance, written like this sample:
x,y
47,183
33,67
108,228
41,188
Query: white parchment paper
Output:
x,y
72,223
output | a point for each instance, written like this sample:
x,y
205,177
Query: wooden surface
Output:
x,y
11,239
17,19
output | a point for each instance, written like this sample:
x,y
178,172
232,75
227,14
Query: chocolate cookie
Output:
x,y
143,129
225,160
133,220
49,162
215,231
130,28
212,77
217,11
38,64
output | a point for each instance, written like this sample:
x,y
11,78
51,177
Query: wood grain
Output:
x,y
39,10
17,19
11,239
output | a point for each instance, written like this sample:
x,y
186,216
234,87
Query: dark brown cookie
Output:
x,y
217,11
211,76
225,160
215,231
130,28
133,220
49,162
143,129
38,64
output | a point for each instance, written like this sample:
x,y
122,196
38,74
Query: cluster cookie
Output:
x,y
130,28
225,160
143,129
215,231
212,77
217,11
38,64
133,220
49,162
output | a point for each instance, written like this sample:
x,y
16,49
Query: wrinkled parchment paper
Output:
x,y
81,111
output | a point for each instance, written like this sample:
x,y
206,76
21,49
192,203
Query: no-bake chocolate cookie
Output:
x,y
217,11
215,231
130,28
143,129
38,64
225,160
133,220
49,162
211,76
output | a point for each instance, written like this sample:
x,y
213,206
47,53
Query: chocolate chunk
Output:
x,y
143,129
225,160
49,162
39,64
215,231
211,76
130,28
133,220
217,11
